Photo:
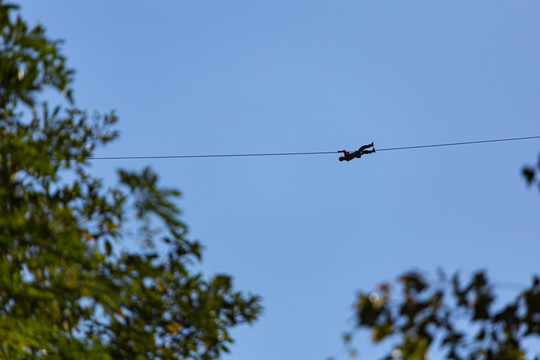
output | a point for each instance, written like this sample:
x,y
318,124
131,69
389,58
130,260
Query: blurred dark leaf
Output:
x,y
413,281
529,175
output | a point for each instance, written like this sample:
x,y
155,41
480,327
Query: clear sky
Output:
x,y
308,232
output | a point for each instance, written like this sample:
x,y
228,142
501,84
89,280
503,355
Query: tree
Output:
x,y
69,289
463,320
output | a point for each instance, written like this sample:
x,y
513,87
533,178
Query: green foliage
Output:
x,y
462,322
69,288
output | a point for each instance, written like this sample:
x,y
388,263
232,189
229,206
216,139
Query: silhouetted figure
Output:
x,y
347,156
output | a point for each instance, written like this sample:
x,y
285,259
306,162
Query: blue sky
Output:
x,y
306,233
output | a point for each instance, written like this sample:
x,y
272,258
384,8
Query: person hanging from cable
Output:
x,y
347,156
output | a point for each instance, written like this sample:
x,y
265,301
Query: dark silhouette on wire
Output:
x,y
347,156
307,153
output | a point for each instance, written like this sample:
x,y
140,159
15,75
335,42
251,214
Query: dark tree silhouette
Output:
x,y
462,322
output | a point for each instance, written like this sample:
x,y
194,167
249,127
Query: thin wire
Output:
x,y
306,153
459,143
209,156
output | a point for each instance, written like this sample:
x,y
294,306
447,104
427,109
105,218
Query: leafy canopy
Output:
x,y
68,288
460,322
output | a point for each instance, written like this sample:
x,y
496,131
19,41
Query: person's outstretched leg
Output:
x,y
365,147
